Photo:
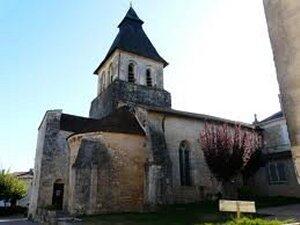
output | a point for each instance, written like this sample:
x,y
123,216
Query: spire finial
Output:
x,y
130,3
255,118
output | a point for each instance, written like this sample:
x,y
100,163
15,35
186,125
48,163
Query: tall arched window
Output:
x,y
148,78
102,81
131,73
111,73
184,164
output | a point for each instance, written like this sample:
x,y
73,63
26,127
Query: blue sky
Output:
x,y
219,54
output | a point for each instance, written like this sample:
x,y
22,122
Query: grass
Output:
x,y
251,221
170,215
190,214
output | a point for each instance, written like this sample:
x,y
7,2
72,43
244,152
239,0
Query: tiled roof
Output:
x,y
121,121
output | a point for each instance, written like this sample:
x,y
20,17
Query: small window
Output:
x,y
184,164
277,173
131,73
148,78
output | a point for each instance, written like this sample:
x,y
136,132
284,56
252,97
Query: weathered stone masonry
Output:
x,y
121,92
125,156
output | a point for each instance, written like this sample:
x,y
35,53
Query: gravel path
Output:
x,y
283,212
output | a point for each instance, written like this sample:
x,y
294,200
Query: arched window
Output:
x,y
131,73
184,164
111,73
148,78
102,81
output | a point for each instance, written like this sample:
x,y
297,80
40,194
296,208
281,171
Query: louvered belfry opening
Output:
x,y
148,78
131,73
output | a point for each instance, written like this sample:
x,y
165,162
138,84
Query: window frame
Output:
x,y
185,164
276,172
149,77
131,73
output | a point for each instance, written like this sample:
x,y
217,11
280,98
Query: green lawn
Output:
x,y
191,214
172,215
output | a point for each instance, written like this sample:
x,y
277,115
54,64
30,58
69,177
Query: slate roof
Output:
x,y
203,117
274,116
121,121
132,38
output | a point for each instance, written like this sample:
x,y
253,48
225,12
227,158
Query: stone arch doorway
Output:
x,y
58,194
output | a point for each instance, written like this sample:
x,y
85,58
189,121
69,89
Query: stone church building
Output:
x,y
134,152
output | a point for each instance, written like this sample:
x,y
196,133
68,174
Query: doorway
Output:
x,y
58,195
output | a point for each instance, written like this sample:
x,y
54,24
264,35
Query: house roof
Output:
x,y
121,121
24,175
272,117
204,117
132,38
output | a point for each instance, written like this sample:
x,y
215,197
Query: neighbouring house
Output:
x,y
27,178
277,177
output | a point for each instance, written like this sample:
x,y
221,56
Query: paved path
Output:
x,y
283,212
16,222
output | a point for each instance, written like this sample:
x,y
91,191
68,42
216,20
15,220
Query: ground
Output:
x,y
191,214
283,212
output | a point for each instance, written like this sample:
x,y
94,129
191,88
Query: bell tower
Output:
x,y
131,72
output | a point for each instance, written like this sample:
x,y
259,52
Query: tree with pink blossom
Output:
x,y
230,151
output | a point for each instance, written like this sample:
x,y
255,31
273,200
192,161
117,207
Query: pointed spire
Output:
x,y
131,16
132,38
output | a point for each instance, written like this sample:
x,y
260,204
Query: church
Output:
x,y
134,152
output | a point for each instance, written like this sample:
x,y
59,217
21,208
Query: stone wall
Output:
x,y
283,18
119,62
124,92
107,173
174,130
105,73
142,64
160,165
51,162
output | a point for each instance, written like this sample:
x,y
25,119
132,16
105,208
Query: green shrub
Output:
x,y
11,188
250,221
246,193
